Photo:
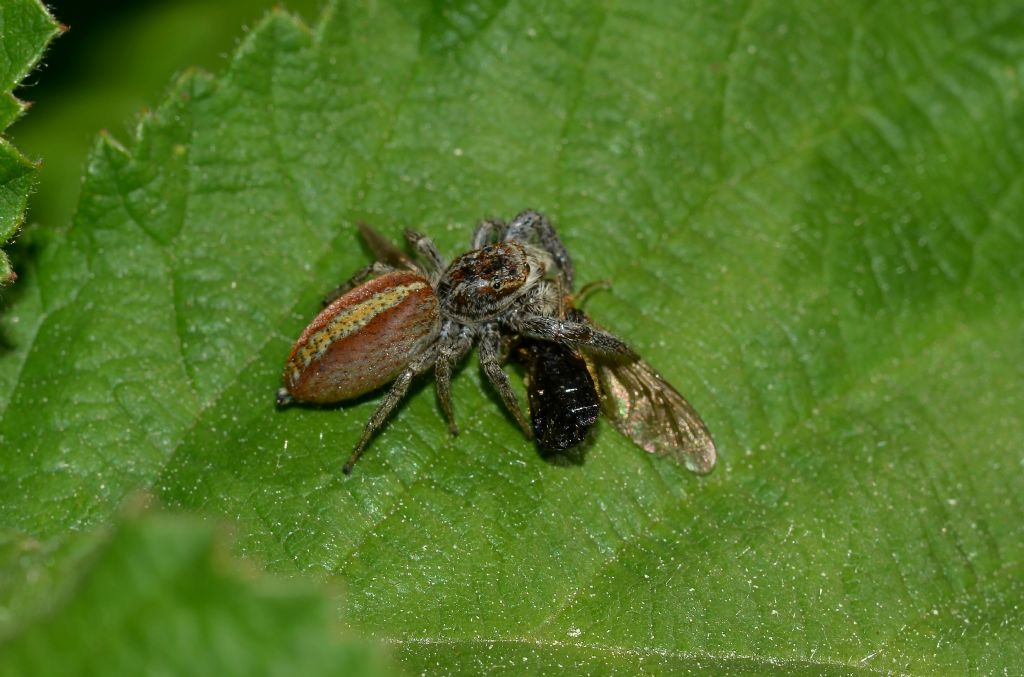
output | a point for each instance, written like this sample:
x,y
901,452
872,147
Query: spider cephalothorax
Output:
x,y
483,284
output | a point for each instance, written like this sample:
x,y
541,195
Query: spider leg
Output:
x,y
532,222
571,333
375,269
490,346
485,232
398,390
432,260
449,352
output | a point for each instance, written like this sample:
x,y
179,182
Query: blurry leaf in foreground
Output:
x,y
162,597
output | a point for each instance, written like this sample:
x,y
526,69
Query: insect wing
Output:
x,y
646,408
564,404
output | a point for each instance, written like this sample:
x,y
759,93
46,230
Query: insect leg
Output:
x,y
449,353
529,222
398,390
490,345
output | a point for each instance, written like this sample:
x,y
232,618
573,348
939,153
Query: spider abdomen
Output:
x,y
364,339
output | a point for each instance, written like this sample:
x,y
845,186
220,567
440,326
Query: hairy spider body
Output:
x,y
483,284
508,287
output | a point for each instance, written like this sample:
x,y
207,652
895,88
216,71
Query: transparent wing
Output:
x,y
646,408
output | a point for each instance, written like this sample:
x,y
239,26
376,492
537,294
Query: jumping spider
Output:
x,y
511,286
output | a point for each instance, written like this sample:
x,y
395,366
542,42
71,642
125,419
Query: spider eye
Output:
x,y
496,285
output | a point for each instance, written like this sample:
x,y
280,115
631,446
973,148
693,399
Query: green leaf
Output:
x,y
25,29
158,598
809,214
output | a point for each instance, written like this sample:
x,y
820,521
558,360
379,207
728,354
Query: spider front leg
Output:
x,y
571,333
490,348
531,222
451,349
398,390
486,231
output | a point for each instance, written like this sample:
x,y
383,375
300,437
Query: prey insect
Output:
x,y
560,389
564,394
635,398
645,407
416,314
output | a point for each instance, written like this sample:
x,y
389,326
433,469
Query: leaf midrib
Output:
x,y
694,659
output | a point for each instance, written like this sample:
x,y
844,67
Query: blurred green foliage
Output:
x,y
156,596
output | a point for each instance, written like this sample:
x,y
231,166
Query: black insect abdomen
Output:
x,y
563,399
